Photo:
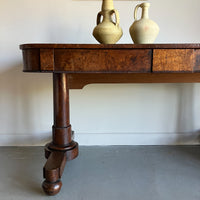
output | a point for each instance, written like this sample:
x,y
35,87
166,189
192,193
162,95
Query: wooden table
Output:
x,y
76,65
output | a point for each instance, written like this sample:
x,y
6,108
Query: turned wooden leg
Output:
x,y
53,170
62,148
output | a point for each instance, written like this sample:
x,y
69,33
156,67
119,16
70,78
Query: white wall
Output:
x,y
151,113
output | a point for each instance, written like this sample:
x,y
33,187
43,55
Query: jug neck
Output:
x,y
107,5
145,10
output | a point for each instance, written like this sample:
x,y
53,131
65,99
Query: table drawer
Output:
x,y
176,60
103,60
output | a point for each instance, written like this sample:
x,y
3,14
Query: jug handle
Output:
x,y
116,16
135,11
99,17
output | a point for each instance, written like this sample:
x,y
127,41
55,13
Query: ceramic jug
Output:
x,y
107,31
143,31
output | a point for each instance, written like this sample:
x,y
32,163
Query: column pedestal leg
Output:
x,y
62,148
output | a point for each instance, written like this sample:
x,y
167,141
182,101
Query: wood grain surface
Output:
x,y
95,60
46,59
173,60
31,60
127,58
78,81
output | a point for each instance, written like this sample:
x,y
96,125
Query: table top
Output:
x,y
111,46
119,63
119,58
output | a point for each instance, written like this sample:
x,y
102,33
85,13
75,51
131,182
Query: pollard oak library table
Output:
x,y
76,65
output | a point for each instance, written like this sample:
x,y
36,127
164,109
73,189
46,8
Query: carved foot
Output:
x,y
55,165
51,188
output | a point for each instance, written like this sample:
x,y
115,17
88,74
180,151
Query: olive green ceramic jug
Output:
x,y
107,31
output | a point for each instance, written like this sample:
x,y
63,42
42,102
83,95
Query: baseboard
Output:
x,y
138,139
24,140
90,139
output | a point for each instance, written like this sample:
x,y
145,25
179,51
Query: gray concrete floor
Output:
x,y
106,173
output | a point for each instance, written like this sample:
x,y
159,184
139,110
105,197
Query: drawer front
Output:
x,y
176,60
102,60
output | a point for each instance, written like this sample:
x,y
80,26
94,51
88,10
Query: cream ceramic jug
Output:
x,y
143,31
107,31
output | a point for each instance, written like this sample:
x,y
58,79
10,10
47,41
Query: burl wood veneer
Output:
x,y
76,65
